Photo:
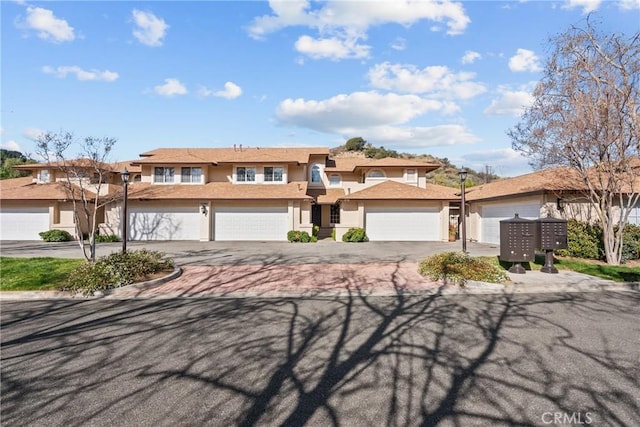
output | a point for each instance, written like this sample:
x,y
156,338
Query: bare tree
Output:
x,y
586,117
84,176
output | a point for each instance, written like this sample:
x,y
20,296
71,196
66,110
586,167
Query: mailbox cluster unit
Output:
x,y
520,237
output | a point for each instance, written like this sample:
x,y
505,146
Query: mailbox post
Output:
x,y
551,235
517,242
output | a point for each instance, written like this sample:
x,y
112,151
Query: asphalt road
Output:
x,y
353,361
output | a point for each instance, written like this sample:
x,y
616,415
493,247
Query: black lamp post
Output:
x,y
125,179
463,177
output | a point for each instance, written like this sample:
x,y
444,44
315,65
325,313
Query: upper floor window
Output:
x,y
315,174
273,174
163,175
411,175
137,178
334,180
375,173
193,175
43,175
245,174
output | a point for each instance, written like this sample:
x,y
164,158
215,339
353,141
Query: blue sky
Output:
x,y
440,78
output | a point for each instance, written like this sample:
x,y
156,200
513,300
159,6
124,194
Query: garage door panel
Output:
x,y
247,223
175,223
23,223
402,224
492,215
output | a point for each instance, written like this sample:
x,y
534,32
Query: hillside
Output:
x,y
446,174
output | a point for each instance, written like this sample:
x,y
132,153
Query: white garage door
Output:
x,y
164,223
402,224
23,223
493,214
258,223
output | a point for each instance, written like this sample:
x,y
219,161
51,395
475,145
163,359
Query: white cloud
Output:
x,y
525,60
629,4
503,161
401,44
438,81
231,91
83,75
417,137
340,24
333,48
170,87
33,133
470,57
586,5
355,110
47,25
11,146
150,30
510,102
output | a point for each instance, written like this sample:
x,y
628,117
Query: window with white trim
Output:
x,y
245,174
334,180
411,175
192,175
315,175
43,175
334,216
163,175
376,173
273,174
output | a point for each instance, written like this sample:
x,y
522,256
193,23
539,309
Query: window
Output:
x,y
273,174
137,178
375,173
315,174
163,175
43,175
334,217
191,175
334,180
245,174
411,175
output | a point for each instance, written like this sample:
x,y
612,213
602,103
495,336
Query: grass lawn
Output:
x,y
29,274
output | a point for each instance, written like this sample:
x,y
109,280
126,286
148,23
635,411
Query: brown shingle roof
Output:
x,y
393,190
350,164
326,196
230,155
116,167
220,191
25,189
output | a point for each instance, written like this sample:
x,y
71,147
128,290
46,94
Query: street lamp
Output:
x,y
125,179
463,177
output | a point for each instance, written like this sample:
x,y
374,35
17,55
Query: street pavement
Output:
x,y
353,360
326,268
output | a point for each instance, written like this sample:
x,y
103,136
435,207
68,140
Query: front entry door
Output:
x,y
316,215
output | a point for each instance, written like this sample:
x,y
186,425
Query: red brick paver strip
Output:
x,y
287,279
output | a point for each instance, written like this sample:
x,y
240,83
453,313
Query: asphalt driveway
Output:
x,y
260,253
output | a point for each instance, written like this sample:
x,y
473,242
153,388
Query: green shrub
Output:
x,y
355,235
56,236
584,240
315,231
297,236
631,243
458,268
333,234
115,270
107,238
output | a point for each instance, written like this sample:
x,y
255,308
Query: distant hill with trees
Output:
x,y
446,174
10,158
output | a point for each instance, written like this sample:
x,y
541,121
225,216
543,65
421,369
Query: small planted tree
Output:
x,y
84,176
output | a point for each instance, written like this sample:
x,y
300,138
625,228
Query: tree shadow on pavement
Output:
x,y
355,360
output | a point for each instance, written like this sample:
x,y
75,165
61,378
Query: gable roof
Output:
x,y
25,189
393,190
219,191
351,164
230,155
326,196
